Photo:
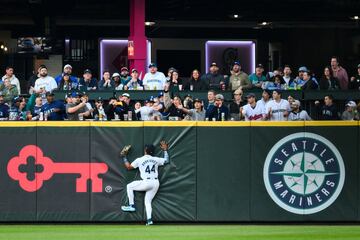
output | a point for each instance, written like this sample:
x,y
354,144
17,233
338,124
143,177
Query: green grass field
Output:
x,y
174,232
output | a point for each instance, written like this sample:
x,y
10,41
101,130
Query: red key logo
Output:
x,y
49,168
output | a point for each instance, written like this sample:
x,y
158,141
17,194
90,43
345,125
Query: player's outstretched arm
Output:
x,y
164,146
124,152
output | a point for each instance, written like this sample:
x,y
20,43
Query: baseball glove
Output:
x,y
125,150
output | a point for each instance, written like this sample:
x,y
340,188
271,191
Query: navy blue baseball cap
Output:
x,y
75,94
152,65
236,63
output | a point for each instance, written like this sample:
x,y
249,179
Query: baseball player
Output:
x,y
148,167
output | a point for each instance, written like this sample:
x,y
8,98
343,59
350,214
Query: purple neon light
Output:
x,y
105,42
209,44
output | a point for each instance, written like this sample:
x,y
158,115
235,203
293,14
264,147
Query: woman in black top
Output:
x,y
195,83
328,81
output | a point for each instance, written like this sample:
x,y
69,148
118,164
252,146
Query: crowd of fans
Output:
x,y
168,105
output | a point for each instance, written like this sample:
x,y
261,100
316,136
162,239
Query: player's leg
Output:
x,y
149,196
139,185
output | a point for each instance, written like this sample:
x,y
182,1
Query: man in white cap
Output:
x,y
68,70
350,112
297,114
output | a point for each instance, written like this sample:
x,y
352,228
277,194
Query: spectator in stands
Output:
x,y
170,70
124,76
89,106
17,111
195,83
277,109
340,73
252,111
309,82
328,81
213,79
117,81
106,82
135,83
67,70
234,106
210,98
287,77
355,80
4,108
238,78
147,112
172,110
44,83
77,110
54,109
329,110
277,82
32,79
266,94
175,82
298,81
9,74
99,111
195,114
66,84
296,113
35,111
188,102
119,107
291,99
8,90
154,80
258,78
219,112
350,112
88,83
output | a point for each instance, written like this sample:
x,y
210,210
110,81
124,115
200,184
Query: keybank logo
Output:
x,y
304,173
31,169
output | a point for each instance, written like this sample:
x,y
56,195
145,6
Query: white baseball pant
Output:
x,y
150,187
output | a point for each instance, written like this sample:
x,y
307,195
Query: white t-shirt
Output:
x,y
253,114
262,103
154,81
278,109
48,83
145,112
300,116
148,166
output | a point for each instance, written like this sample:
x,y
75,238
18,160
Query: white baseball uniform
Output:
x,y
278,109
253,114
148,167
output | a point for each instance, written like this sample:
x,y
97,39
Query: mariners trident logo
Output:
x,y
304,173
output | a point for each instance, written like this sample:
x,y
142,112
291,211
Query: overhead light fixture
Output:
x,y
5,49
149,23
2,46
264,23
236,16
356,17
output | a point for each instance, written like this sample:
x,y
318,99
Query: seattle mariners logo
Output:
x,y
304,173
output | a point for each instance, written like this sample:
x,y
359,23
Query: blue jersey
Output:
x,y
59,77
49,109
4,111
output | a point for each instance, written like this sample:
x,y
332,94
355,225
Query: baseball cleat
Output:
x,y
128,209
149,222
125,150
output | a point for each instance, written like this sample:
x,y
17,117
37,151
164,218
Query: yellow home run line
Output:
x,y
180,124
